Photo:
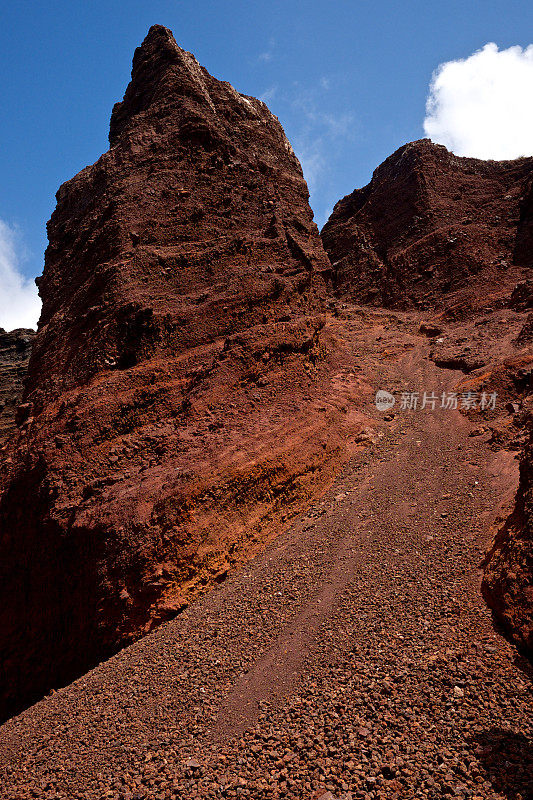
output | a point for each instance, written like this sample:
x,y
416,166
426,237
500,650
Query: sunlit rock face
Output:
x,y
428,223
165,430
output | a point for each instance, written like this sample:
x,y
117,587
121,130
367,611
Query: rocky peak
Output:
x,y
160,70
426,224
199,202
183,302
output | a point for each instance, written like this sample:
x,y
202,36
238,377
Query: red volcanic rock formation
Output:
x,y
15,348
178,401
508,577
194,225
508,570
455,235
427,223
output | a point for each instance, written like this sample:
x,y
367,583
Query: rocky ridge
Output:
x,y
429,223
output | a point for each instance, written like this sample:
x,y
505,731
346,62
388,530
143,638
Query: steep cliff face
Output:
x,y
428,223
194,225
508,569
508,574
178,403
15,348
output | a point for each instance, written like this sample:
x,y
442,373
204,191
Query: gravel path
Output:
x,y
354,656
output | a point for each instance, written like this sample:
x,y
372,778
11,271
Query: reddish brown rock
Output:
x,y
195,225
427,224
455,235
182,401
523,251
15,348
522,296
508,571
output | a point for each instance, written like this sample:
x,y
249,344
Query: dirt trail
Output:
x,y
354,655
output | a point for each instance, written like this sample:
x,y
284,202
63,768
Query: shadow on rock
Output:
x,y
507,758
525,666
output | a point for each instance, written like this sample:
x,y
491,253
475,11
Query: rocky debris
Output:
x,y
15,348
354,656
522,296
430,329
185,400
430,223
508,568
463,361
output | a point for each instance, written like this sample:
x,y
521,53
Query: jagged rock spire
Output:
x,y
183,265
161,71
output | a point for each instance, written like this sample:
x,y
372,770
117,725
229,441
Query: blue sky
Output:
x,y
348,80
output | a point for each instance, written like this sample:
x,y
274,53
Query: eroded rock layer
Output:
x,y
428,223
15,348
180,401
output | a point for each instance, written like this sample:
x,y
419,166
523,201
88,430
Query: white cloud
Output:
x,y
333,125
20,305
268,54
481,106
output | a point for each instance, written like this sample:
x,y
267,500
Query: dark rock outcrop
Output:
x,y
427,224
177,386
523,251
522,296
508,570
15,348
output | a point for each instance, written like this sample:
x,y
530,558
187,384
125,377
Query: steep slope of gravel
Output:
x,y
354,655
